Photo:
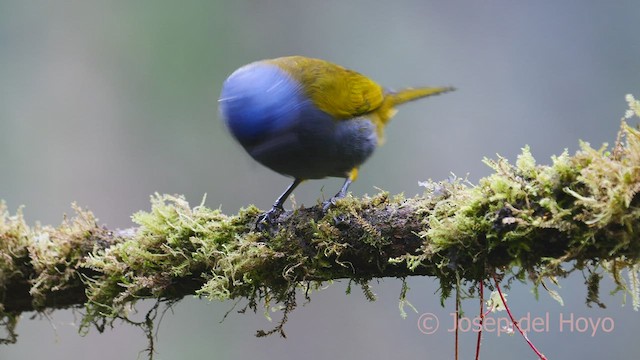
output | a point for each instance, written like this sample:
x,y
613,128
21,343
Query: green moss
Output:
x,y
587,202
56,253
15,236
14,239
535,219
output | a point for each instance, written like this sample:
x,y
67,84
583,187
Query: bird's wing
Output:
x,y
340,92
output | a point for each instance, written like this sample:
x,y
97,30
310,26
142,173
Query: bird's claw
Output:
x,y
268,219
327,204
337,218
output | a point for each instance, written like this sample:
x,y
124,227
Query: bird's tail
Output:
x,y
410,94
393,98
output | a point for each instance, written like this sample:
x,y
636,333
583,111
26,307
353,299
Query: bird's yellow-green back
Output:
x,y
346,94
340,92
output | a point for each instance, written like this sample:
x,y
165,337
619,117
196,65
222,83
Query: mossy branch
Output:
x,y
580,212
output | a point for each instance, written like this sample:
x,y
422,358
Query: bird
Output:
x,y
308,118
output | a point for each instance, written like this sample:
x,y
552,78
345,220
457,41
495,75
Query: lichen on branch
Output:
x,y
525,220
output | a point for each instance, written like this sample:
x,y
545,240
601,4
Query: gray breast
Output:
x,y
319,148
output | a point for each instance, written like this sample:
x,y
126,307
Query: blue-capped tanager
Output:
x,y
308,118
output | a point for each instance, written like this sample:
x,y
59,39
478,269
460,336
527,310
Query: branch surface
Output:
x,y
536,221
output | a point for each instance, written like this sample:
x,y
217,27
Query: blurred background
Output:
x,y
106,102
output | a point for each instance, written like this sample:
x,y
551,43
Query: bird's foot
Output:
x,y
268,219
342,193
326,205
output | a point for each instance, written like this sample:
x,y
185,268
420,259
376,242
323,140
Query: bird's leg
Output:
x,y
270,216
353,175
